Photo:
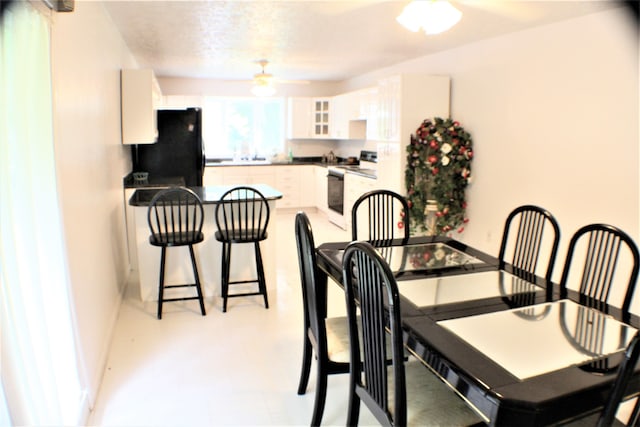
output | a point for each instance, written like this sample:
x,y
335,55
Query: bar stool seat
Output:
x,y
242,216
175,217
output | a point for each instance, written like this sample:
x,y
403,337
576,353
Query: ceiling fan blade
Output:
x,y
343,7
519,10
292,82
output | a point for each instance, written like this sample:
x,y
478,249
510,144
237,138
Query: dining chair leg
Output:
x,y
197,280
161,281
262,282
353,411
321,394
307,352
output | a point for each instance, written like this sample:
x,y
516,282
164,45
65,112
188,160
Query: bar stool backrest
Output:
x,y
242,215
175,217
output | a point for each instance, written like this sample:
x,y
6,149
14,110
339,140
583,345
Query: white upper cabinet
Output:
x,y
141,98
299,124
321,118
347,118
343,116
340,117
309,118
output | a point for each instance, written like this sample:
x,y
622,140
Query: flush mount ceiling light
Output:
x,y
433,16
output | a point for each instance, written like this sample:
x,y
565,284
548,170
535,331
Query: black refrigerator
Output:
x,y
178,152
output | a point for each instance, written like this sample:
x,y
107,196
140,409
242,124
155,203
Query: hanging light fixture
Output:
x,y
263,82
433,16
263,88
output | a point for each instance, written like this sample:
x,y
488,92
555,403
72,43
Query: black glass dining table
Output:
x,y
505,341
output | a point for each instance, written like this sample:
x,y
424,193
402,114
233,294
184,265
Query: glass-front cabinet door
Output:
x,y
321,118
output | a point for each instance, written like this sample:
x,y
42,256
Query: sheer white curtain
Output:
x,y
39,369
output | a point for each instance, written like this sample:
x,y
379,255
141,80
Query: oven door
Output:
x,y
335,192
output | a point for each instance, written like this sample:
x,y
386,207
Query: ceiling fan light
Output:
x,y
433,16
261,89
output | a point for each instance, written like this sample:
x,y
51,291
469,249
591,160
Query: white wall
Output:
x,y
554,116
209,87
87,54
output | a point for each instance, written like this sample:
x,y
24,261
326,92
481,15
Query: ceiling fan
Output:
x,y
263,82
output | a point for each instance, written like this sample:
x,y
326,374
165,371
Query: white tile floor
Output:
x,y
237,368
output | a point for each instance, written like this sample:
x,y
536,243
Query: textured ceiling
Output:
x,y
310,40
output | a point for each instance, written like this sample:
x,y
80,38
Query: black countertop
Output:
x,y
208,195
153,182
297,161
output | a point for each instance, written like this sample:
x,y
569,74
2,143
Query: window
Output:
x,y
242,128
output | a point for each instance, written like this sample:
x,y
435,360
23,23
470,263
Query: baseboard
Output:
x,y
93,388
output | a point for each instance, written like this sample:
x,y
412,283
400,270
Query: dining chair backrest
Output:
x,y
379,216
328,338
625,372
242,215
606,250
369,281
314,306
175,217
523,249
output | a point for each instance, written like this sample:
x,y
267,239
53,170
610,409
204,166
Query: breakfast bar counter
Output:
x,y
208,195
208,253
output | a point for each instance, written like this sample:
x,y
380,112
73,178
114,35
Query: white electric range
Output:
x,y
367,166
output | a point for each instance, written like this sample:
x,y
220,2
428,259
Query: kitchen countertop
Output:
x,y
208,195
152,182
297,161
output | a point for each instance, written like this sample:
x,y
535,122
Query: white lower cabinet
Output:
x,y
307,186
295,182
288,183
354,187
296,185
320,183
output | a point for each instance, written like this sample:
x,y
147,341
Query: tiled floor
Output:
x,y
237,368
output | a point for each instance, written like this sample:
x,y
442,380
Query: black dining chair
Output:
x,y
404,392
524,247
380,216
607,416
603,249
242,216
175,217
328,338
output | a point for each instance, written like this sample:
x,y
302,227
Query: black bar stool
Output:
x,y
242,216
175,218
